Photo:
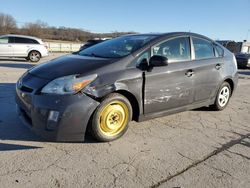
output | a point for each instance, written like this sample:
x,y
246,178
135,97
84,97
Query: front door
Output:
x,y
170,87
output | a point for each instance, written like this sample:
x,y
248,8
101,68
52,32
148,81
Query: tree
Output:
x,y
42,30
35,28
7,24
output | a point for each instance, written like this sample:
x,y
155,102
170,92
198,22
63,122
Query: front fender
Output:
x,y
100,92
129,83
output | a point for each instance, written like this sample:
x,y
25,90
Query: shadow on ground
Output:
x,y
17,65
12,59
11,147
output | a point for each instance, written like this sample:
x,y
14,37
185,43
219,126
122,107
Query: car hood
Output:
x,y
69,65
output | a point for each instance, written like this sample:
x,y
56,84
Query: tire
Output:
x,y
111,118
34,56
222,97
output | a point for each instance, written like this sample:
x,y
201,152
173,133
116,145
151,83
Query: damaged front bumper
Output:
x,y
56,117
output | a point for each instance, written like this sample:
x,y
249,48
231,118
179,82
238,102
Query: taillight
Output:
x,y
235,61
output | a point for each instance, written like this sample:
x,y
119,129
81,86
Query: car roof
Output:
x,y
169,34
24,36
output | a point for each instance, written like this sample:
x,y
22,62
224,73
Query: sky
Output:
x,y
217,19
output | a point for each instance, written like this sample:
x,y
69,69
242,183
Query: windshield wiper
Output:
x,y
92,55
95,55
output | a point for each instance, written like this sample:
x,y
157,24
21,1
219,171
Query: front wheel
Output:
x,y
34,56
223,96
111,118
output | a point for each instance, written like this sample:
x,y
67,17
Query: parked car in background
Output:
x,y
133,77
31,48
243,60
92,42
241,51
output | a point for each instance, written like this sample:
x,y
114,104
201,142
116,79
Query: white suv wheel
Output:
x,y
34,56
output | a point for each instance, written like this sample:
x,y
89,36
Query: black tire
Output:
x,y
217,104
97,123
34,56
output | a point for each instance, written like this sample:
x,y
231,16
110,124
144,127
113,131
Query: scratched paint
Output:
x,y
158,99
166,95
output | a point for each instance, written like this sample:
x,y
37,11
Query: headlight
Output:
x,y
68,84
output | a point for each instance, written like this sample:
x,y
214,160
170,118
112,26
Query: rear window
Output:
x,y
219,51
203,48
21,40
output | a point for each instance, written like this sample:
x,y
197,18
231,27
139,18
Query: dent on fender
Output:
x,y
101,91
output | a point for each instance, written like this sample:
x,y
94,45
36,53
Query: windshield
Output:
x,y
118,47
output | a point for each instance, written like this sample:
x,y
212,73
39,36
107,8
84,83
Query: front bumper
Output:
x,y
74,114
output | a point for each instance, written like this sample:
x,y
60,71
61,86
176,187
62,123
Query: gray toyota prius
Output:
x,y
132,77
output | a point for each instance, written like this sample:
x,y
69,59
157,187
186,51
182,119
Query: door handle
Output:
x,y
218,66
189,73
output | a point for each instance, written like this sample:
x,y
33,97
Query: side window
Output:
x,y
21,40
11,39
138,60
203,49
219,51
177,49
4,40
32,41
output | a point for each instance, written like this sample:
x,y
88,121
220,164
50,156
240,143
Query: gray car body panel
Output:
x,y
161,91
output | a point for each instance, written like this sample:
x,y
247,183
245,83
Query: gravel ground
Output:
x,y
198,148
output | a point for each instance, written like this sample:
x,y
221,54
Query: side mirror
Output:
x,y
158,61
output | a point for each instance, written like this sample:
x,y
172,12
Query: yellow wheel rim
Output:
x,y
113,118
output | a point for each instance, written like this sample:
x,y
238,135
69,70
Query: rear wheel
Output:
x,y
222,97
111,118
34,56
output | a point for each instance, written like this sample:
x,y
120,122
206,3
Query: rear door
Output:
x,y
6,47
22,46
208,65
170,87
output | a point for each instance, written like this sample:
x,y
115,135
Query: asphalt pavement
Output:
x,y
198,148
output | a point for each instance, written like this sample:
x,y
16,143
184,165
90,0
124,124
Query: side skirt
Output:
x,y
144,117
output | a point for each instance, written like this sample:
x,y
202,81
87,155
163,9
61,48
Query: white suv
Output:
x,y
31,48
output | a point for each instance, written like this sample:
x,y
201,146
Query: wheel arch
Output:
x,y
231,83
121,88
133,101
